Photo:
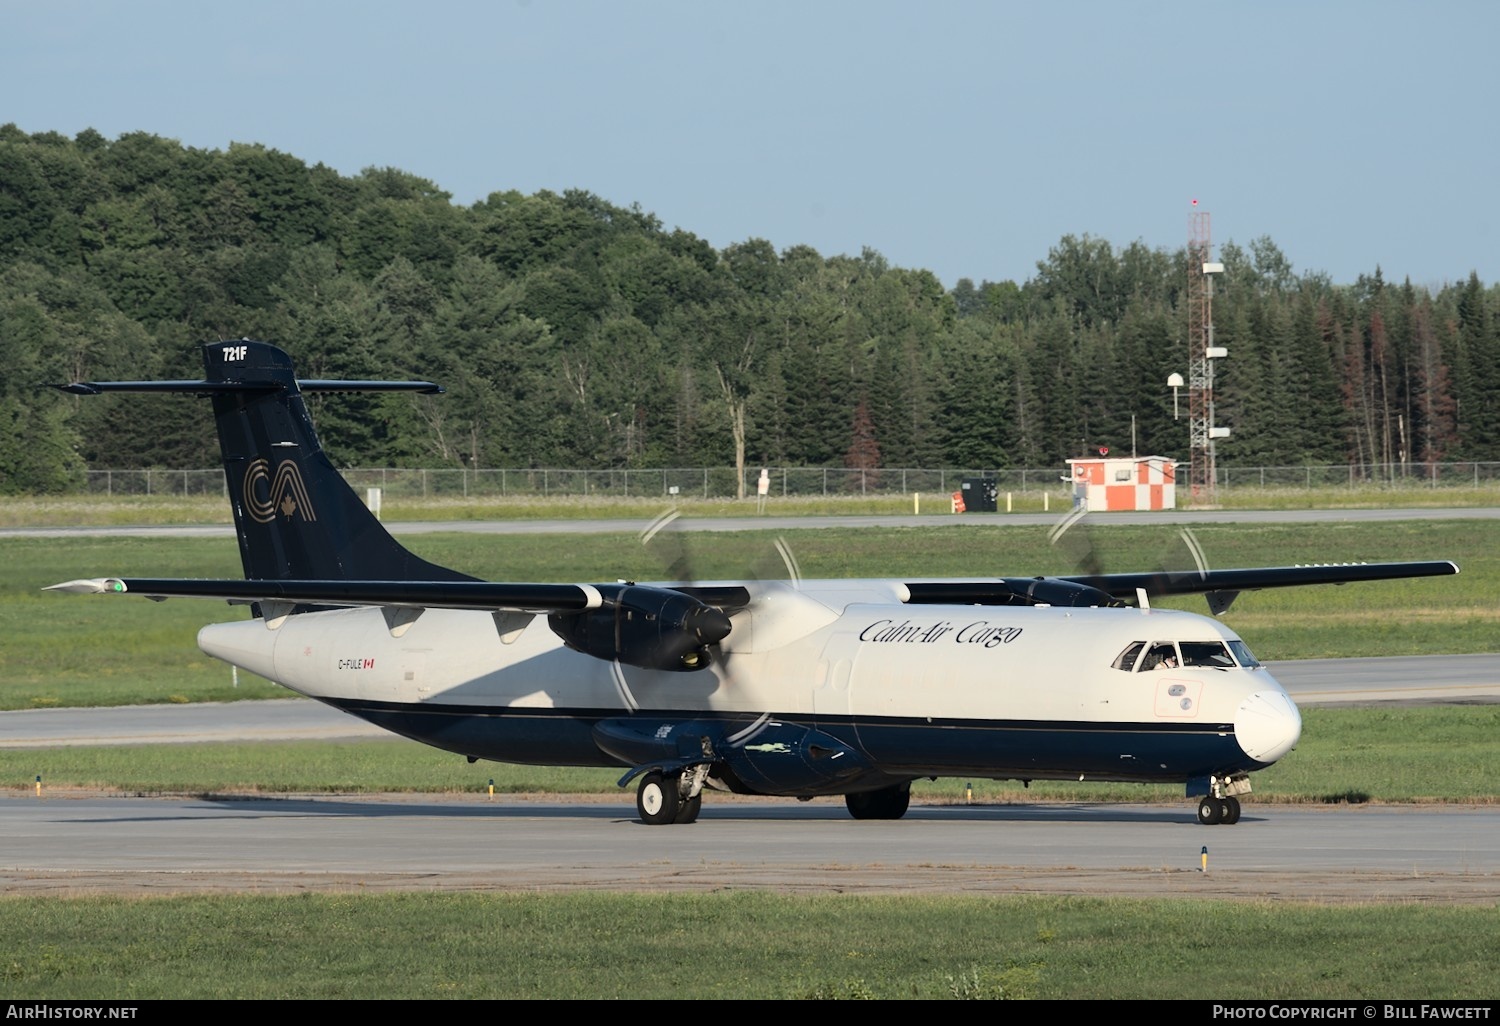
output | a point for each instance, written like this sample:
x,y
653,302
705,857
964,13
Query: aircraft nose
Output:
x,y
1267,725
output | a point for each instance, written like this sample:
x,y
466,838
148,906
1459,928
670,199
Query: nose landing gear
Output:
x,y
1213,811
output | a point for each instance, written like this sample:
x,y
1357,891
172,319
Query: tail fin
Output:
x,y
295,516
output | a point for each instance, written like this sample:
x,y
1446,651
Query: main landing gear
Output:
x,y
669,797
1213,811
886,803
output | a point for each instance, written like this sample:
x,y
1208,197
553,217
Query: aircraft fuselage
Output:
x,y
910,691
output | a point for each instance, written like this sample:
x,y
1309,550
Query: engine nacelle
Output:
x,y
1053,591
653,628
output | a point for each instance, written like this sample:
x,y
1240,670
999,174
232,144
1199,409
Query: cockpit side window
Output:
x,y
1126,659
1206,653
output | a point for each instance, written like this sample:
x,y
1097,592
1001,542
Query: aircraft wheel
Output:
x,y
1210,811
656,799
688,809
1231,811
886,803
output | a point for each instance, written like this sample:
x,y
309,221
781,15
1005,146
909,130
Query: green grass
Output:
x,y
747,945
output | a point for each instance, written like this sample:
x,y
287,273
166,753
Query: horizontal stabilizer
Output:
x,y
252,386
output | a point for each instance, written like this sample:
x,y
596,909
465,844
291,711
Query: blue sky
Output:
x,y
963,137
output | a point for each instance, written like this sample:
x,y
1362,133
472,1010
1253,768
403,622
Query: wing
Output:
x,y
1221,587
654,627
520,598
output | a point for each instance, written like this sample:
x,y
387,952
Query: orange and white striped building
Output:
x,y
1108,484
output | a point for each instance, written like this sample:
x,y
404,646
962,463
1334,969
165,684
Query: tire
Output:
x,y
688,809
1210,811
1231,811
886,803
656,799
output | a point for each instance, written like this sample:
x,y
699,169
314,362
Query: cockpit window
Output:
x,y
1162,655
1126,659
1167,655
1242,654
1206,653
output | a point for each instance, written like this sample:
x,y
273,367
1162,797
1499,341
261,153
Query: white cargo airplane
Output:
x,y
798,688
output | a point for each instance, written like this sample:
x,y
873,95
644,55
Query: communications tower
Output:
x,y
1202,473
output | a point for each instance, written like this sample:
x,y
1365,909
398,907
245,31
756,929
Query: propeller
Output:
x,y
664,534
1183,558
1072,537
1218,601
653,627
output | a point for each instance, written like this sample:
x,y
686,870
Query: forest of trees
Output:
x,y
572,332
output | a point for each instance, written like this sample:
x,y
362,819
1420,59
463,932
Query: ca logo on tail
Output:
x,y
285,495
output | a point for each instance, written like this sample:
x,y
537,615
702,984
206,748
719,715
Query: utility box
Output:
x,y
980,494
1110,484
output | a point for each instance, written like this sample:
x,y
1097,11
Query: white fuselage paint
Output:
x,y
831,648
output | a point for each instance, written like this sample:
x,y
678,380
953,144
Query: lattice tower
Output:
x,y
1201,473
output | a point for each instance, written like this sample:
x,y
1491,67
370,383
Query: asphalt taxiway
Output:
x,y
169,845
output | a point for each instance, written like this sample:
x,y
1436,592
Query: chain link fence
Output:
x,y
719,482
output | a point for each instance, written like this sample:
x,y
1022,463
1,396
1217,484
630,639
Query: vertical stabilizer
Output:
x,y
295,516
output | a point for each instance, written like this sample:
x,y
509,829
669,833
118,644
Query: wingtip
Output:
x,y
89,586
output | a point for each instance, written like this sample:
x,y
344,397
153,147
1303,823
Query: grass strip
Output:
x,y
742,945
